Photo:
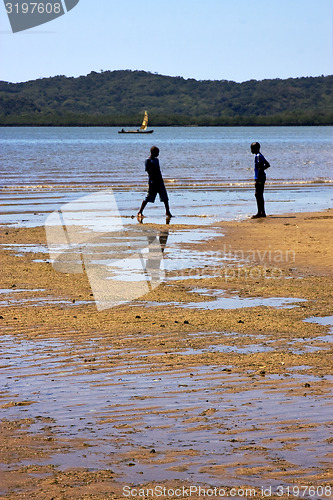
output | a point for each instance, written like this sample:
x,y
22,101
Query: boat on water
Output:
x,y
141,130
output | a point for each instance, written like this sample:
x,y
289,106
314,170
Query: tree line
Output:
x,y
118,98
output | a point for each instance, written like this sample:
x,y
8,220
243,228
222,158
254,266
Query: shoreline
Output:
x,y
195,206
161,375
172,184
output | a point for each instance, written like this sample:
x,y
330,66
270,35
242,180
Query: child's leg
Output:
x,y
259,194
261,206
167,209
144,203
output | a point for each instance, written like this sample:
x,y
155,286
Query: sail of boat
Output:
x,y
144,122
141,130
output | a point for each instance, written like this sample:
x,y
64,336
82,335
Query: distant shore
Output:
x,y
118,98
105,123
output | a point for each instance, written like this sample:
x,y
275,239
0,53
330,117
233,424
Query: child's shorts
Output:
x,y
155,189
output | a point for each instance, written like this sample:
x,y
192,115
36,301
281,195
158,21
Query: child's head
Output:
x,y
255,148
154,152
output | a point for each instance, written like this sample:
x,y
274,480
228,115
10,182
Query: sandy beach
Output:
x,y
221,377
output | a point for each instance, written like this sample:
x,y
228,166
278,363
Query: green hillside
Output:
x,y
120,97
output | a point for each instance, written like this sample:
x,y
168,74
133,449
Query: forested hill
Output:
x,y
120,98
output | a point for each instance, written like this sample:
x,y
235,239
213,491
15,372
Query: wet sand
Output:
x,y
221,376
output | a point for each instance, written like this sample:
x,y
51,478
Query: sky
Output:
x,y
236,40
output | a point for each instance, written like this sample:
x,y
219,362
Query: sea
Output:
x,y
208,171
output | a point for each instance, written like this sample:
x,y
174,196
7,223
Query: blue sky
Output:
x,y
234,40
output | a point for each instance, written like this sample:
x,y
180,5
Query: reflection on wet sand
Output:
x,y
199,421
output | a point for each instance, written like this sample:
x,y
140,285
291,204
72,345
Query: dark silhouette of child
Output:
x,y
155,183
260,165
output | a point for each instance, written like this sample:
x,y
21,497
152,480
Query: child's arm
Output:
x,y
262,162
265,163
149,167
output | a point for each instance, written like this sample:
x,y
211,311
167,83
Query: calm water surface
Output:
x,y
190,156
208,170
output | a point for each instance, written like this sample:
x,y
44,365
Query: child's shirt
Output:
x,y
153,169
260,165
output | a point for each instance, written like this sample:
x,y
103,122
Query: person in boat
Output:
x,y
155,183
260,165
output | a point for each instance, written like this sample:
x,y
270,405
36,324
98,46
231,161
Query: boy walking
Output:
x,y
156,183
260,165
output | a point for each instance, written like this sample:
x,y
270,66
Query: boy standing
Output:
x,y
260,165
156,183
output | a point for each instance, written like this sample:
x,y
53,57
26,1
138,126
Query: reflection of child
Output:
x,y
156,183
260,165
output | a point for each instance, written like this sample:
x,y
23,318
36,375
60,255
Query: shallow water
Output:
x,y
197,156
208,170
131,261
212,410
325,320
189,206
221,300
